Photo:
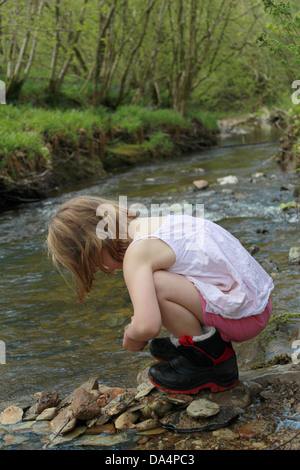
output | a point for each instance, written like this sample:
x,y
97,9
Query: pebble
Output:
x,y
294,255
47,415
200,184
202,408
226,434
126,420
256,427
11,415
231,179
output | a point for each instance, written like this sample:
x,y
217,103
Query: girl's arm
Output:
x,y
140,261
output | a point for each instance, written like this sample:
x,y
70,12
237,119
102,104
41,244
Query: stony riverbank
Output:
x,y
261,412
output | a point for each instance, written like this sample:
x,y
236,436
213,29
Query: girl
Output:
x,y
185,273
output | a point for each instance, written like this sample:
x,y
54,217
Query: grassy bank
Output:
x,y
42,149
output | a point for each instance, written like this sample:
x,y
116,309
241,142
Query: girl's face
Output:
x,y
111,263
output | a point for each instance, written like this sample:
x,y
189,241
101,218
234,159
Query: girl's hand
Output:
x,y
132,344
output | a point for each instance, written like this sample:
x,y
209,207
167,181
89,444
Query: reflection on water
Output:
x,y
52,341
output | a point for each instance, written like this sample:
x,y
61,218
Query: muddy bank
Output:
x,y
25,179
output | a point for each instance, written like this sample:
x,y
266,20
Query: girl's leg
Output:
x,y
180,304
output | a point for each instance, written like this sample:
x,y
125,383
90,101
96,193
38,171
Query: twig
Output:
x,y
286,442
73,416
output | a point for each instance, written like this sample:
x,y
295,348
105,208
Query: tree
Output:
x,y
19,61
283,39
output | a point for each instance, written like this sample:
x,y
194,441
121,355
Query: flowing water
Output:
x,y
53,342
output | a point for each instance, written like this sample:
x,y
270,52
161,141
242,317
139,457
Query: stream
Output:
x,y
53,342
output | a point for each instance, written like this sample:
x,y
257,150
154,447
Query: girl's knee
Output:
x,y
160,278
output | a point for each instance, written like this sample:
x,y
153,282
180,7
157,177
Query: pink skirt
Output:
x,y
238,330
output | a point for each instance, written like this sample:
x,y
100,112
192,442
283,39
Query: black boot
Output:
x,y
163,349
205,361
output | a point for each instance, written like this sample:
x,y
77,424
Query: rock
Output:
x,y
12,439
31,414
179,399
47,399
201,184
225,434
100,440
56,440
180,421
259,174
108,428
159,406
294,255
90,385
85,405
269,375
114,407
147,424
111,393
256,427
126,420
47,415
202,408
239,396
11,415
142,376
143,389
40,427
64,422
231,179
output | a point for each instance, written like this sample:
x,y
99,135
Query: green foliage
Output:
x,y
28,128
132,118
158,142
283,39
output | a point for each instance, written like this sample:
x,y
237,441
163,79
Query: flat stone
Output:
x,y
144,389
180,421
11,415
106,441
64,422
108,428
202,408
12,439
201,184
54,440
238,396
31,414
47,415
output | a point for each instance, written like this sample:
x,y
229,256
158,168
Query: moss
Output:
x,y
276,322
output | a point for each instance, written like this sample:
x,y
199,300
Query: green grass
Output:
x,y
28,128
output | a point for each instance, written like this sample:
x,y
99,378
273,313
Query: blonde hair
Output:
x,y
74,241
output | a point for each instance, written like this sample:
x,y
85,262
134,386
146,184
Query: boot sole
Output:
x,y
210,385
